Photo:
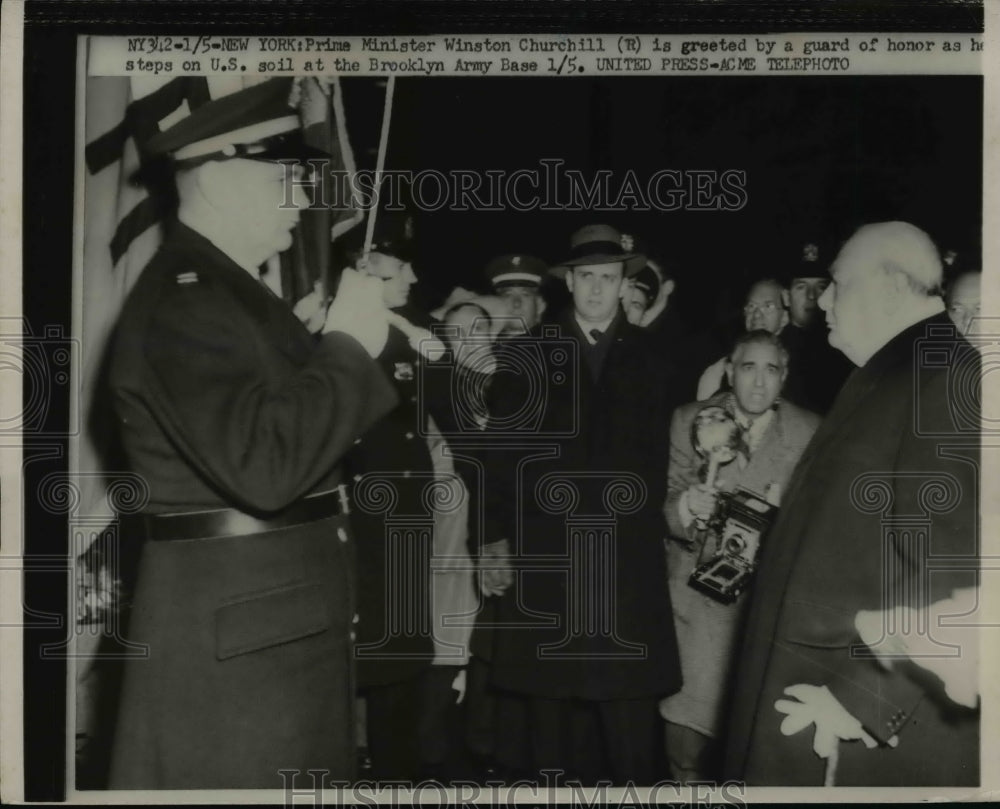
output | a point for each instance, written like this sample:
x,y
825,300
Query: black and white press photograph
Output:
x,y
459,428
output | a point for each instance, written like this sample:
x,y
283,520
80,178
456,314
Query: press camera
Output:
x,y
740,520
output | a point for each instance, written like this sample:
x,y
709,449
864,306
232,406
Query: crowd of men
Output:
x,y
472,537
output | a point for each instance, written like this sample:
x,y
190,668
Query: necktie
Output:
x,y
596,334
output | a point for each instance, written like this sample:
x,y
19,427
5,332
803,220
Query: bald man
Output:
x,y
963,300
886,488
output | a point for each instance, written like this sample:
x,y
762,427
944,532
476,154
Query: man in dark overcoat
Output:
x,y
238,421
881,513
584,628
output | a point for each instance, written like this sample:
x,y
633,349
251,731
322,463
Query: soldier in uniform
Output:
x,y
395,641
238,421
517,279
816,369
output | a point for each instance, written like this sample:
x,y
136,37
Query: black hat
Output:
x,y
516,269
648,281
599,244
258,123
807,265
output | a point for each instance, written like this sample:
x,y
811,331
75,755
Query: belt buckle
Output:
x,y
345,507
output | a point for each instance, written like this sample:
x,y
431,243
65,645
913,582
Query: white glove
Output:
x,y
311,309
814,704
421,340
900,632
358,310
458,684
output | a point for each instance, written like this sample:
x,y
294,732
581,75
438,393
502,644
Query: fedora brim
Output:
x,y
634,262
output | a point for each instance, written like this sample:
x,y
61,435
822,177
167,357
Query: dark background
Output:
x,y
865,162
821,156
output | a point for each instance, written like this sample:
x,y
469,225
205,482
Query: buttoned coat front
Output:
x,y
580,500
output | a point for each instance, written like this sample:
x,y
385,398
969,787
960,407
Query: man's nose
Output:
x,y
826,299
411,276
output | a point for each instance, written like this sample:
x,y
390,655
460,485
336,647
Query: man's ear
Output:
x,y
667,289
213,182
784,319
542,304
729,371
786,298
569,279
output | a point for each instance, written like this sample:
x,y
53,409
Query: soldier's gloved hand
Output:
x,y
311,309
421,340
358,310
815,705
495,572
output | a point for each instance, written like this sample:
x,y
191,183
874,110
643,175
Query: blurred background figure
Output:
x,y
639,294
962,300
816,369
775,433
764,309
517,280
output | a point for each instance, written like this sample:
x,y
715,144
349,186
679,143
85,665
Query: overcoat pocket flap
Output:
x,y
270,617
824,626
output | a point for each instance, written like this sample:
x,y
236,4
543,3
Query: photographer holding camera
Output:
x,y
770,437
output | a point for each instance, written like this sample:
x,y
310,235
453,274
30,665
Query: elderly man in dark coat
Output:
x,y
237,420
584,626
881,514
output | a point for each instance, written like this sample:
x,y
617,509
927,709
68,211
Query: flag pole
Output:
x,y
379,164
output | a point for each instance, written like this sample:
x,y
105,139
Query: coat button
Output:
x,y
357,440
342,535
353,636
356,478
413,398
356,618
409,436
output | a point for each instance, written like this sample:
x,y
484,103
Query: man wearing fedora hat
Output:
x,y
238,420
587,691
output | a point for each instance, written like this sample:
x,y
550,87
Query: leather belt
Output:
x,y
229,522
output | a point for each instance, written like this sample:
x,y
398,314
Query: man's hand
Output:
x,y
495,572
358,310
701,501
948,649
815,705
311,309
